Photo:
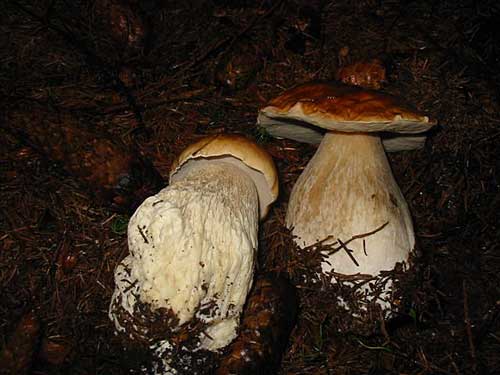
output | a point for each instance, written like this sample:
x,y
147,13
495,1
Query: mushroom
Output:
x,y
192,246
368,74
347,193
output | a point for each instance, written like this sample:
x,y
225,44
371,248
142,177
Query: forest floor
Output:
x,y
206,68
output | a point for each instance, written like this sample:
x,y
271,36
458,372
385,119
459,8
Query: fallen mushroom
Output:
x,y
192,246
347,194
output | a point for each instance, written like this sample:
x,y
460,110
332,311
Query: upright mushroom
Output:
x,y
192,246
347,192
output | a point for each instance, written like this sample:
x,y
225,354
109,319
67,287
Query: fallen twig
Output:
x,y
468,327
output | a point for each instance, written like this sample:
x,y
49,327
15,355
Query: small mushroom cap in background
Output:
x,y
368,74
303,113
228,148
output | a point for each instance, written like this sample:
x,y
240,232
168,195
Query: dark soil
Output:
x,y
181,70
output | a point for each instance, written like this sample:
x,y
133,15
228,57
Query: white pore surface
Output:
x,y
191,246
301,131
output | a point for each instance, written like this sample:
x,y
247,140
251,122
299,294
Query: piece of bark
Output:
x,y
304,29
239,66
124,23
114,174
17,355
268,319
55,352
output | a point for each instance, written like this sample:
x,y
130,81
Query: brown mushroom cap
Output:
x,y
369,74
236,146
305,112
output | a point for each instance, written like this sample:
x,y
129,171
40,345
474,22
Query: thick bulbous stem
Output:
x,y
348,190
191,246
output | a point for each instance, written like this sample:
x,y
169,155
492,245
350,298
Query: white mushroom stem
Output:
x,y
347,190
192,249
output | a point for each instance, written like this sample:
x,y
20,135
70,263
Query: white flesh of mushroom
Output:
x,y
346,190
191,245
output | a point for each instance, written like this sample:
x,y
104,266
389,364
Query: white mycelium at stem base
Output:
x,y
193,245
348,189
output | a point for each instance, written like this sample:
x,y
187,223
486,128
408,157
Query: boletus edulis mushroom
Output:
x,y
347,193
193,245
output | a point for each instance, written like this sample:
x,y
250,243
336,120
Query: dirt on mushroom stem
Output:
x,y
148,326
